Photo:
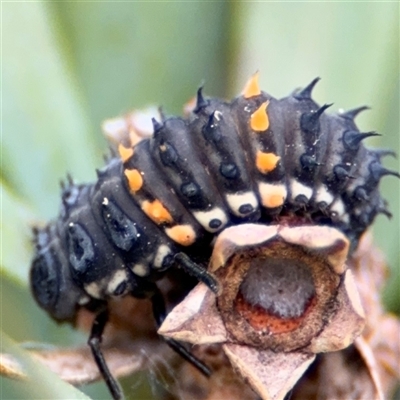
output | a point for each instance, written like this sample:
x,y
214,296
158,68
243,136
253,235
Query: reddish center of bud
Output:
x,y
276,293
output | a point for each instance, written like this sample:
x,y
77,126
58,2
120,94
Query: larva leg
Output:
x,y
94,343
159,313
197,271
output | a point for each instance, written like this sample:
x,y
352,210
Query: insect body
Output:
x,y
162,201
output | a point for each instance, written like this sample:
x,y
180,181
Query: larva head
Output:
x,y
50,279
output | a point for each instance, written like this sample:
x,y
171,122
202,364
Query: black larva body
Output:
x,y
254,159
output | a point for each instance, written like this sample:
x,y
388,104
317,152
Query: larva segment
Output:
x,y
314,128
128,228
217,140
339,166
361,195
175,153
300,159
265,148
331,170
50,270
87,246
338,162
160,205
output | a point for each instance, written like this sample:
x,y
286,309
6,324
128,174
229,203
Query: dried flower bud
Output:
x,y
285,293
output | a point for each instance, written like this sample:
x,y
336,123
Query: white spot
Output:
x,y
217,115
83,300
119,276
235,201
139,270
161,253
204,218
337,207
322,195
272,195
105,201
71,224
93,289
316,141
298,189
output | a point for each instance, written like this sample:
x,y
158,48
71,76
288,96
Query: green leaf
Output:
x,y
127,55
16,234
45,130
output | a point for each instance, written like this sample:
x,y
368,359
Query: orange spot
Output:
x,y
259,120
273,200
156,211
134,137
189,106
182,234
252,88
135,179
124,152
272,196
266,162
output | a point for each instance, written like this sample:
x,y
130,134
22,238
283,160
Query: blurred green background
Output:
x,y
69,65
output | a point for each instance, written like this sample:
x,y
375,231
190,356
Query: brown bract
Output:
x,y
130,128
268,337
